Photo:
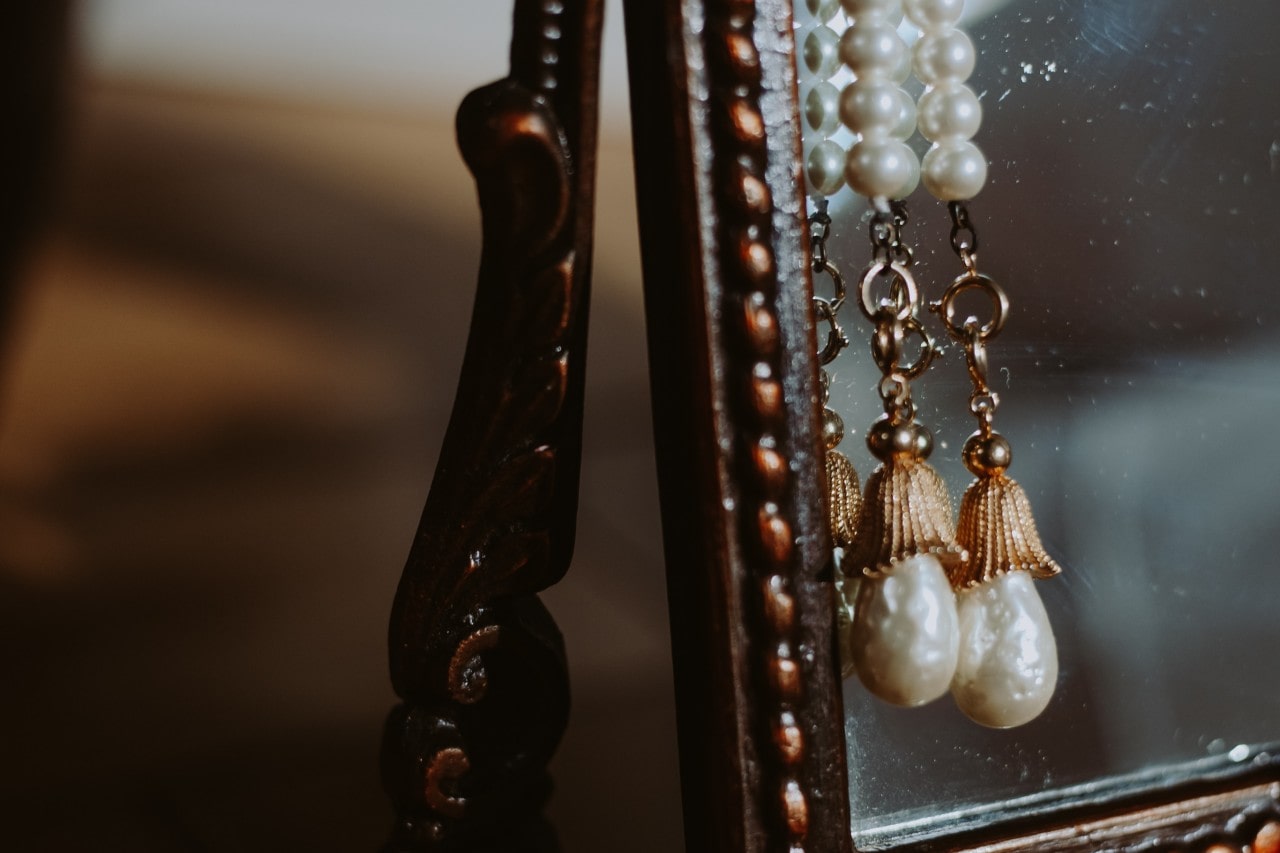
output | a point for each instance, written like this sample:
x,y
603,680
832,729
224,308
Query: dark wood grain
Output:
x,y
474,655
736,416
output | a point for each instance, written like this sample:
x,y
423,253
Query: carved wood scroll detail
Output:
x,y
474,655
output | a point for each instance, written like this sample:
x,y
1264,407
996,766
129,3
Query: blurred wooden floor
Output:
x,y
232,360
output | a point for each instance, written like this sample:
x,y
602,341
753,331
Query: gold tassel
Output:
x,y
999,532
906,512
844,499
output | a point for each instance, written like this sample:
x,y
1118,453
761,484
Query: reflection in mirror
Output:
x,y
1133,215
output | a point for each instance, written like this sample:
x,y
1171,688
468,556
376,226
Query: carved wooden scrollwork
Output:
x,y
474,655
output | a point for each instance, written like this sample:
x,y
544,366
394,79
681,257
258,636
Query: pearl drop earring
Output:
x,y
1008,665
908,640
904,639
904,634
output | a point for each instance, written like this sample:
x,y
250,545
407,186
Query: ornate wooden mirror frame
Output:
x,y
476,659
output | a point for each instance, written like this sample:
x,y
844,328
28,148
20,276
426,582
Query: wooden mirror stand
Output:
x,y
475,657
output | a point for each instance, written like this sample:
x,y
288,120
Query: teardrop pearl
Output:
x,y
1008,664
905,636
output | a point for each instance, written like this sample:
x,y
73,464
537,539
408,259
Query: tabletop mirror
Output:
x,y
1129,214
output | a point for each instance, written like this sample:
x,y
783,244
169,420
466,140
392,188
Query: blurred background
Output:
x,y
233,338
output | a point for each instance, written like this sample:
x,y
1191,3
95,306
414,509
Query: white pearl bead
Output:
x,y
933,14
870,107
1008,666
944,55
906,124
863,11
825,168
822,52
949,109
882,167
905,637
822,108
954,170
873,49
822,10
902,71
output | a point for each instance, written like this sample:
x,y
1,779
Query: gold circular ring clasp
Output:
x,y
836,340
837,281
917,368
905,294
999,302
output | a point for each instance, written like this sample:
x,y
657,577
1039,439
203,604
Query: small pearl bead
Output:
x,y
865,11
870,107
822,108
882,167
822,10
906,115
954,170
933,14
905,637
1008,661
902,71
873,49
825,167
822,52
949,110
946,55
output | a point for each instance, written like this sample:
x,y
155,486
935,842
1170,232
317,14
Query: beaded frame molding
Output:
x,y
476,659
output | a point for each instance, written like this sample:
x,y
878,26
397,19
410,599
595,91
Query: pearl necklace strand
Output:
x,y
949,113
880,113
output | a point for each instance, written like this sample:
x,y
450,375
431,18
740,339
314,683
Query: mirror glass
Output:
x,y
1132,214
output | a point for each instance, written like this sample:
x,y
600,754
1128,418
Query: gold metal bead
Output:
x,y
844,499
832,428
887,438
987,455
921,442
